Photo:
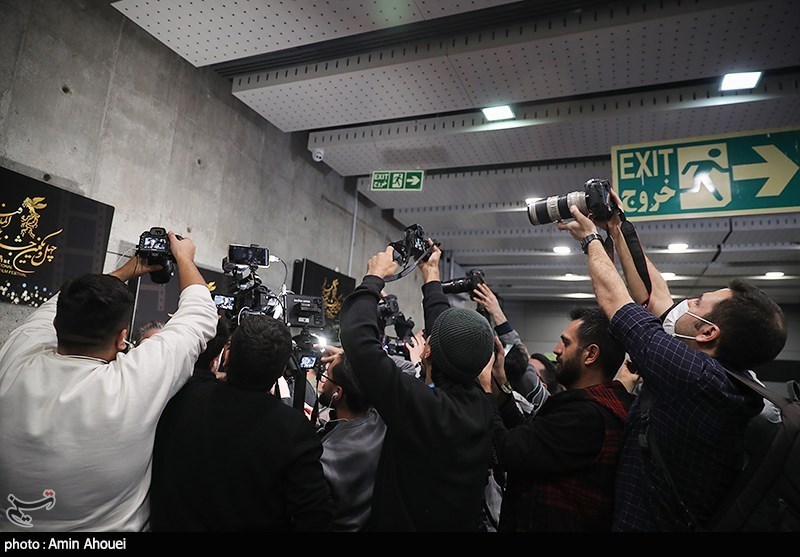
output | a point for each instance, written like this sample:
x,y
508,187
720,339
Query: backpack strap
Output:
x,y
647,442
780,401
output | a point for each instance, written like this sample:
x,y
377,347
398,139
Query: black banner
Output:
x,y
47,235
312,279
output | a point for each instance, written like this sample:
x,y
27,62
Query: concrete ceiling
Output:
x,y
381,85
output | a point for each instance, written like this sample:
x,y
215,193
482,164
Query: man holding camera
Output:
x,y
230,457
435,456
561,463
697,413
77,415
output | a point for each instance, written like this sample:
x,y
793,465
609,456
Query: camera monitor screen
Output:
x,y
307,362
154,244
248,255
224,302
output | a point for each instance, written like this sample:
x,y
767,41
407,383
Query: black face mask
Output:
x,y
326,399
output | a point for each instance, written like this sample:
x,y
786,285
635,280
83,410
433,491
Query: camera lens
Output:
x,y
556,207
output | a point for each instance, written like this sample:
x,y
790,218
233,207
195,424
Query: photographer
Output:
x,y
521,373
230,457
435,457
79,416
351,445
698,413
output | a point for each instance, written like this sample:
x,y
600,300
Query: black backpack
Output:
x,y
766,496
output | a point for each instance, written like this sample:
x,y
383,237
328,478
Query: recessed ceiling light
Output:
x,y
532,200
668,276
495,113
740,80
678,247
774,274
562,250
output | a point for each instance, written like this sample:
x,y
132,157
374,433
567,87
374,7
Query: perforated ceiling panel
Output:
x,y
517,65
209,31
575,135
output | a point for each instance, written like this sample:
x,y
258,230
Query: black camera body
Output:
x,y
389,314
468,283
304,311
412,246
595,199
154,245
305,355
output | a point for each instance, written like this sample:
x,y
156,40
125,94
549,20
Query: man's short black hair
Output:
x,y
215,345
91,310
342,374
260,349
752,327
516,363
594,329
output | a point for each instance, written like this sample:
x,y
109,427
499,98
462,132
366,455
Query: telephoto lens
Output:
x,y
556,207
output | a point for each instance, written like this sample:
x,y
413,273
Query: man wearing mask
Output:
x,y
352,444
697,412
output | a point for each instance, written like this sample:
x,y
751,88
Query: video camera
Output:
x,y
468,283
389,314
249,296
154,245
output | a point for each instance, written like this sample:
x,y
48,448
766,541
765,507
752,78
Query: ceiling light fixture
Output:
x,y
495,113
740,80
668,276
562,250
580,295
678,247
774,274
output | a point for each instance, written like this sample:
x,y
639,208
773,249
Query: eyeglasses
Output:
x,y
326,378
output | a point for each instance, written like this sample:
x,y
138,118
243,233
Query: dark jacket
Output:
x,y
229,459
434,461
562,463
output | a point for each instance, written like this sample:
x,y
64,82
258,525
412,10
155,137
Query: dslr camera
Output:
x,y
154,245
464,284
595,199
411,247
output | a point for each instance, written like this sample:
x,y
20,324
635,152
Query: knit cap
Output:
x,y
461,343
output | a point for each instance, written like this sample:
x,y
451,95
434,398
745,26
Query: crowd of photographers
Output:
x,y
205,424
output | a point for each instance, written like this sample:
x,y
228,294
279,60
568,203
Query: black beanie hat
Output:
x,y
461,343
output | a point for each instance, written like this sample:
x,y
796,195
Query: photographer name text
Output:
x,y
15,544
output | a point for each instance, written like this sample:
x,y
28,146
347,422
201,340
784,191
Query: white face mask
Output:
x,y
676,313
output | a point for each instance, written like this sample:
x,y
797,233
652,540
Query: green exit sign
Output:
x,y
734,174
396,180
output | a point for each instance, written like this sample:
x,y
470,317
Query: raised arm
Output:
x,y
609,288
659,299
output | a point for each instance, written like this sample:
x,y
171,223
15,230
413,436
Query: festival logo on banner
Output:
x,y
47,235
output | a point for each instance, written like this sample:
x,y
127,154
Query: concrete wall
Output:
x,y
107,111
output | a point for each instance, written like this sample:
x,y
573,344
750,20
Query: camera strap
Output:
x,y
637,253
410,268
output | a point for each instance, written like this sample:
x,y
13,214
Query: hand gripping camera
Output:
x,y
154,245
411,250
595,199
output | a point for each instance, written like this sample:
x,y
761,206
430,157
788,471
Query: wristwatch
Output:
x,y
588,240
507,388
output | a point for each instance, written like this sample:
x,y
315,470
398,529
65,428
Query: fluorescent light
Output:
x,y
562,250
532,200
773,274
668,276
582,295
741,80
494,113
678,247
570,276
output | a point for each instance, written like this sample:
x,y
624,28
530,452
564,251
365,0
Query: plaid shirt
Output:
x,y
698,416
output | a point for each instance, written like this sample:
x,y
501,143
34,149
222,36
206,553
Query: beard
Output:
x,y
568,372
